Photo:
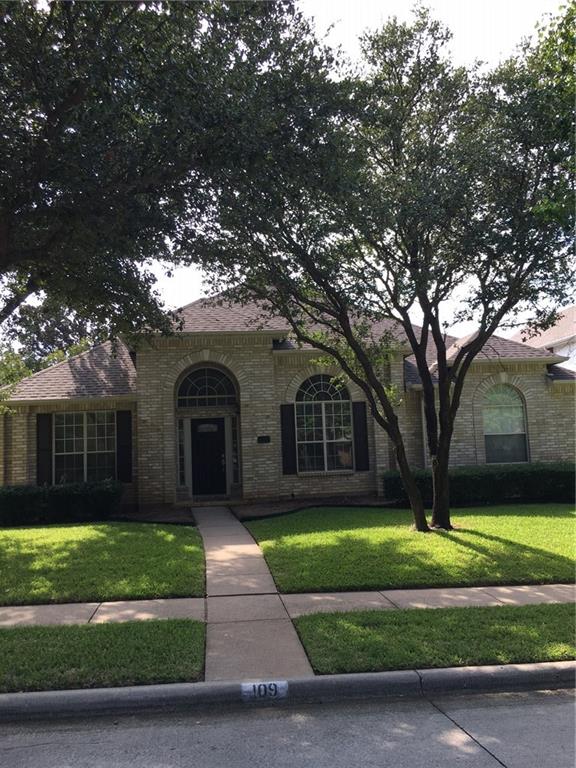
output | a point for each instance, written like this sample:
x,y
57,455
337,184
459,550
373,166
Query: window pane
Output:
x,y
69,468
181,457
504,420
505,449
339,456
101,431
69,433
503,395
309,422
311,457
338,421
206,386
101,466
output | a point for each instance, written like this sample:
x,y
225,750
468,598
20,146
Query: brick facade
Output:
x,y
267,377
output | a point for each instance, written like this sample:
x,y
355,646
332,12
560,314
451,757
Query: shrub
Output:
x,y
493,484
75,502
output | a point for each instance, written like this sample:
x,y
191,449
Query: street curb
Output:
x,y
192,696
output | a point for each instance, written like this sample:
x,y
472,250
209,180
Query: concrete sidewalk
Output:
x,y
254,606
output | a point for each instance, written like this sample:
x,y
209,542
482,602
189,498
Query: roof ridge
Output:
x,y
198,300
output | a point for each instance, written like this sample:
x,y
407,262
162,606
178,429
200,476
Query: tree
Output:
x,y
110,114
392,190
42,331
12,368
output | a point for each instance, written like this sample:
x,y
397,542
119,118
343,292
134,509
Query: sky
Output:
x,y
484,30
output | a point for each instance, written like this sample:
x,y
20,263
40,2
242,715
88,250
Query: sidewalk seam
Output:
x,y
94,612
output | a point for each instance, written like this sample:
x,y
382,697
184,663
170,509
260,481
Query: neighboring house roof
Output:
x,y
564,330
98,372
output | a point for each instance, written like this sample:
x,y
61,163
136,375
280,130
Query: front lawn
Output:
x,y
101,561
101,655
333,549
373,641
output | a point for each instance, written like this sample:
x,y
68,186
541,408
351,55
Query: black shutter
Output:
x,y
124,446
44,448
361,453
288,429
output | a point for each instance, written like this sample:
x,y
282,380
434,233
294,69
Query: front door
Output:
x,y
208,457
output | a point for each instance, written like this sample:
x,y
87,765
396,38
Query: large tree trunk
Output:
x,y
414,495
441,490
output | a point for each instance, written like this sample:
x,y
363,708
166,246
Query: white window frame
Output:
x,y
85,451
325,439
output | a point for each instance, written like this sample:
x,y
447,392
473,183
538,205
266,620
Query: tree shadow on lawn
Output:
x,y
99,561
329,519
440,559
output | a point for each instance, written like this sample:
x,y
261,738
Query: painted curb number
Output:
x,y
264,690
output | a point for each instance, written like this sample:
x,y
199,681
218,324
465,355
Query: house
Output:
x,y
229,408
561,338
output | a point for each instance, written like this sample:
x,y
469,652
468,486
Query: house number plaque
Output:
x,y
265,690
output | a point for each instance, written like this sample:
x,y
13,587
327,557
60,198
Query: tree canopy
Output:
x,y
111,114
393,190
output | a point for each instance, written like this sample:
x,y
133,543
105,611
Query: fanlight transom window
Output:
x,y
323,425
321,387
205,387
504,425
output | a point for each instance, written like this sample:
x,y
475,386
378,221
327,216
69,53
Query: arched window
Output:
x,y
206,386
323,425
504,425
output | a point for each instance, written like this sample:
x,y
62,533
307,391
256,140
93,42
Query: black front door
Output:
x,y
208,457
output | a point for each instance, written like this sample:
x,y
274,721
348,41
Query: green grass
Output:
x,y
328,549
103,561
372,641
101,655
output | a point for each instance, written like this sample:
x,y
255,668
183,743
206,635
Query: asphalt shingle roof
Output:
x,y
220,316
103,372
98,372
497,347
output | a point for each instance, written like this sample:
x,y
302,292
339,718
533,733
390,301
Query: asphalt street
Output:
x,y
519,730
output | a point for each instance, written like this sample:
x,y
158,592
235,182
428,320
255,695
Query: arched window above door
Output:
x,y
206,387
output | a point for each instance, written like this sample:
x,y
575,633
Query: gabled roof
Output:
x,y
564,330
98,372
411,373
498,348
219,315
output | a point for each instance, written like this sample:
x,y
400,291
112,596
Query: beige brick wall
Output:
x,y
265,378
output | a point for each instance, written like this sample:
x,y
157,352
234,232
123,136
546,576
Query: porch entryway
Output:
x,y
207,413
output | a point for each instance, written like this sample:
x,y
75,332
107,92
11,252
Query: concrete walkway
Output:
x,y
249,633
